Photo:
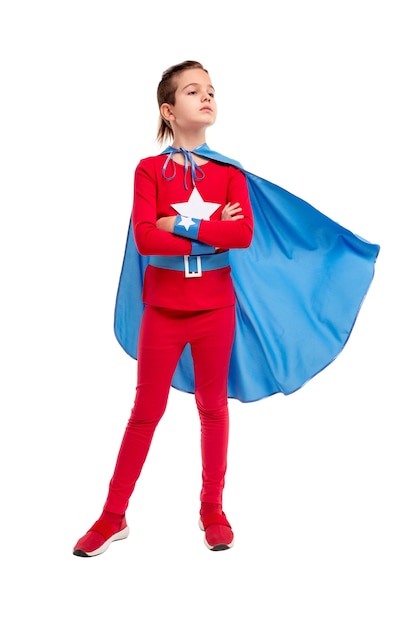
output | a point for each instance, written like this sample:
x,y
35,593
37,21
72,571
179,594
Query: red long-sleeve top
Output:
x,y
155,196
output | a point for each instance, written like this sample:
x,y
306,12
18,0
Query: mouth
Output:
x,y
207,109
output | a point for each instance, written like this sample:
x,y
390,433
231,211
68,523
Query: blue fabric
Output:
x,y
190,231
196,172
201,248
299,289
208,262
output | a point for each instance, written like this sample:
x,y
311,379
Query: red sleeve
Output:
x,y
148,238
226,234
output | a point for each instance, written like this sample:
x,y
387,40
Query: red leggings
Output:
x,y
164,334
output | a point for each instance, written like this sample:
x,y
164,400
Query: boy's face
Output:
x,y
194,101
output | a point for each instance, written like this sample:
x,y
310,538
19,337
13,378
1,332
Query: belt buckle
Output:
x,y
187,272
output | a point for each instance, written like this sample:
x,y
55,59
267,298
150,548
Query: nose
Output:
x,y
207,96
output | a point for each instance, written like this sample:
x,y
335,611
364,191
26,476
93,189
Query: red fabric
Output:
x,y
153,197
214,518
163,335
105,529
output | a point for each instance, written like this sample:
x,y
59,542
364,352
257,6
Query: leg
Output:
x,y
158,354
211,351
211,354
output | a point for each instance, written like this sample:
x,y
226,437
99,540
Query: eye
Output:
x,y
190,93
211,94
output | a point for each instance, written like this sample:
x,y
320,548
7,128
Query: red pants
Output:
x,y
163,335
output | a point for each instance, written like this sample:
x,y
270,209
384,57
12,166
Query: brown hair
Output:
x,y
166,93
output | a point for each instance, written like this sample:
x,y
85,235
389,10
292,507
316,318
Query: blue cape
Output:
x,y
299,288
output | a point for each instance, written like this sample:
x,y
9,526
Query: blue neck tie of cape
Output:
x,y
299,288
196,173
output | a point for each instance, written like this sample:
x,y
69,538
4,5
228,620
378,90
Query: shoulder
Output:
x,y
150,167
232,172
228,168
151,161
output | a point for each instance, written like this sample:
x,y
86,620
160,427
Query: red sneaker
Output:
x,y
218,532
99,537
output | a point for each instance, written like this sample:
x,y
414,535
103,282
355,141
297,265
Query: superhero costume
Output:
x,y
293,298
299,289
185,306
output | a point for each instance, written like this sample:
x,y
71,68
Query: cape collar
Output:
x,y
197,172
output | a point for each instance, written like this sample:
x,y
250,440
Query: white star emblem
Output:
x,y
195,207
186,222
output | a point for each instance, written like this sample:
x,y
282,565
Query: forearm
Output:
x,y
168,225
150,240
217,233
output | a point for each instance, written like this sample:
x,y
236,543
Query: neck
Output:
x,y
188,141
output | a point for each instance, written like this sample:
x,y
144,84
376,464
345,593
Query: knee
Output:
x,y
213,411
146,412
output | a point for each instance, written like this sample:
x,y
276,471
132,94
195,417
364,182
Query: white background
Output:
x,y
318,97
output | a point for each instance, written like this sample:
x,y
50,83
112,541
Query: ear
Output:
x,y
166,112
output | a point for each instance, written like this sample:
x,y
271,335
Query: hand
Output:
x,y
230,212
166,223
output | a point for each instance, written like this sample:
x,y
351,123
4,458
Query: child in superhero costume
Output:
x,y
212,306
185,218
